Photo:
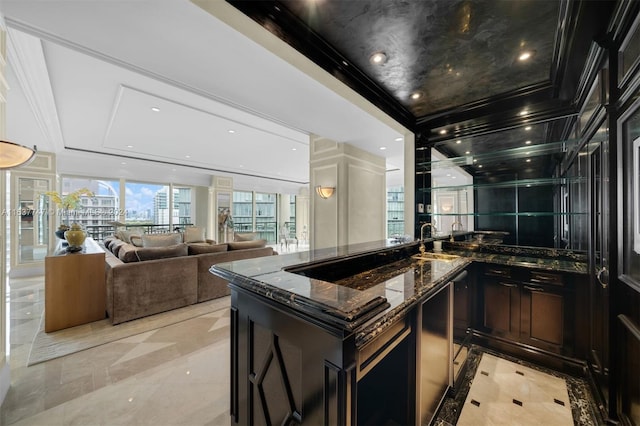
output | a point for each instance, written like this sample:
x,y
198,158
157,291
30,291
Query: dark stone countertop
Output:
x,y
548,259
345,304
368,300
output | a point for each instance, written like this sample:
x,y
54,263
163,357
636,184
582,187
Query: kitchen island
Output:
x,y
351,335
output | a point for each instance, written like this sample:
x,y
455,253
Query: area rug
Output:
x,y
47,346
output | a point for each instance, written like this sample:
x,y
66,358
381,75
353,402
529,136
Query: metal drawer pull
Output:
x,y
533,288
498,272
508,285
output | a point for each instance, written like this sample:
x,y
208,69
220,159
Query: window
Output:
x,y
96,212
182,206
266,222
242,211
395,211
147,205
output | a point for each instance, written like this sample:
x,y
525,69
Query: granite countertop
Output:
x,y
362,303
548,259
369,299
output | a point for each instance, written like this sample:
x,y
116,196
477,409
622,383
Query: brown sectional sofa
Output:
x,y
138,288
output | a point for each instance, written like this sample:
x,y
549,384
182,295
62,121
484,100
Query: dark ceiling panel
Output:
x,y
453,53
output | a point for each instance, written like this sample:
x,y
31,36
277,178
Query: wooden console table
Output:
x,y
74,287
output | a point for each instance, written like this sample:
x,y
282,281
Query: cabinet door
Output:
x,y
542,315
502,307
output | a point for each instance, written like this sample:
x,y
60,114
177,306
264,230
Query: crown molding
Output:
x,y
27,60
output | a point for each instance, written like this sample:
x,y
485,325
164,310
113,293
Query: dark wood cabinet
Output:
x,y
534,308
501,302
502,308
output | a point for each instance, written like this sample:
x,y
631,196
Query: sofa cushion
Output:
x,y
136,240
241,245
115,246
209,248
150,253
125,235
161,240
245,236
108,241
194,234
127,253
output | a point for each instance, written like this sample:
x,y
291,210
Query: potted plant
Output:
x,y
67,203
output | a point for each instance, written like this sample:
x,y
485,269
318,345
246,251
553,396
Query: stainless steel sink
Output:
x,y
435,256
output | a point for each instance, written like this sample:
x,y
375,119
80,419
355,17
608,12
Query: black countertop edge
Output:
x,y
381,323
346,321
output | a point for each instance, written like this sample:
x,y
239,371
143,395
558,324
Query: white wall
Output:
x,y
356,212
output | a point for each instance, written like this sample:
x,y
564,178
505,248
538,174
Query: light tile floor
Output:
x,y
175,375
505,393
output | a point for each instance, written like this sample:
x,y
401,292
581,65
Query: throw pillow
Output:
x,y
115,246
241,245
245,236
210,248
136,240
161,240
194,234
127,253
125,235
151,253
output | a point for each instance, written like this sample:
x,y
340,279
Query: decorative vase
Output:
x,y
75,236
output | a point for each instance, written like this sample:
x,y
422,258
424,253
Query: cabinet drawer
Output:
x,y
497,271
538,277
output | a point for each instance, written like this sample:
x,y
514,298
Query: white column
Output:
x,y
356,212
5,378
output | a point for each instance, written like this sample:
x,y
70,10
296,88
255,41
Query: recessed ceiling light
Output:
x,y
527,142
527,128
458,141
345,63
398,139
523,112
467,152
129,146
155,109
448,174
378,58
443,132
187,156
528,160
232,131
294,149
123,163
382,148
525,55
480,165
416,95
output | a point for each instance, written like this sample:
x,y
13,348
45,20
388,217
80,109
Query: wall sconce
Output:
x,y
14,155
325,191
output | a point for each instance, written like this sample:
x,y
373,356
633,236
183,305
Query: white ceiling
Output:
x,y
107,63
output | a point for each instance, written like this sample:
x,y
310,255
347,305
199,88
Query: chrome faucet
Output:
x,y
453,225
433,231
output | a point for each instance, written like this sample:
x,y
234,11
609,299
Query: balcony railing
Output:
x,y
100,232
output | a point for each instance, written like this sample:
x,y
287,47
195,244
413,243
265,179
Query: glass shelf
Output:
x,y
528,151
526,183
